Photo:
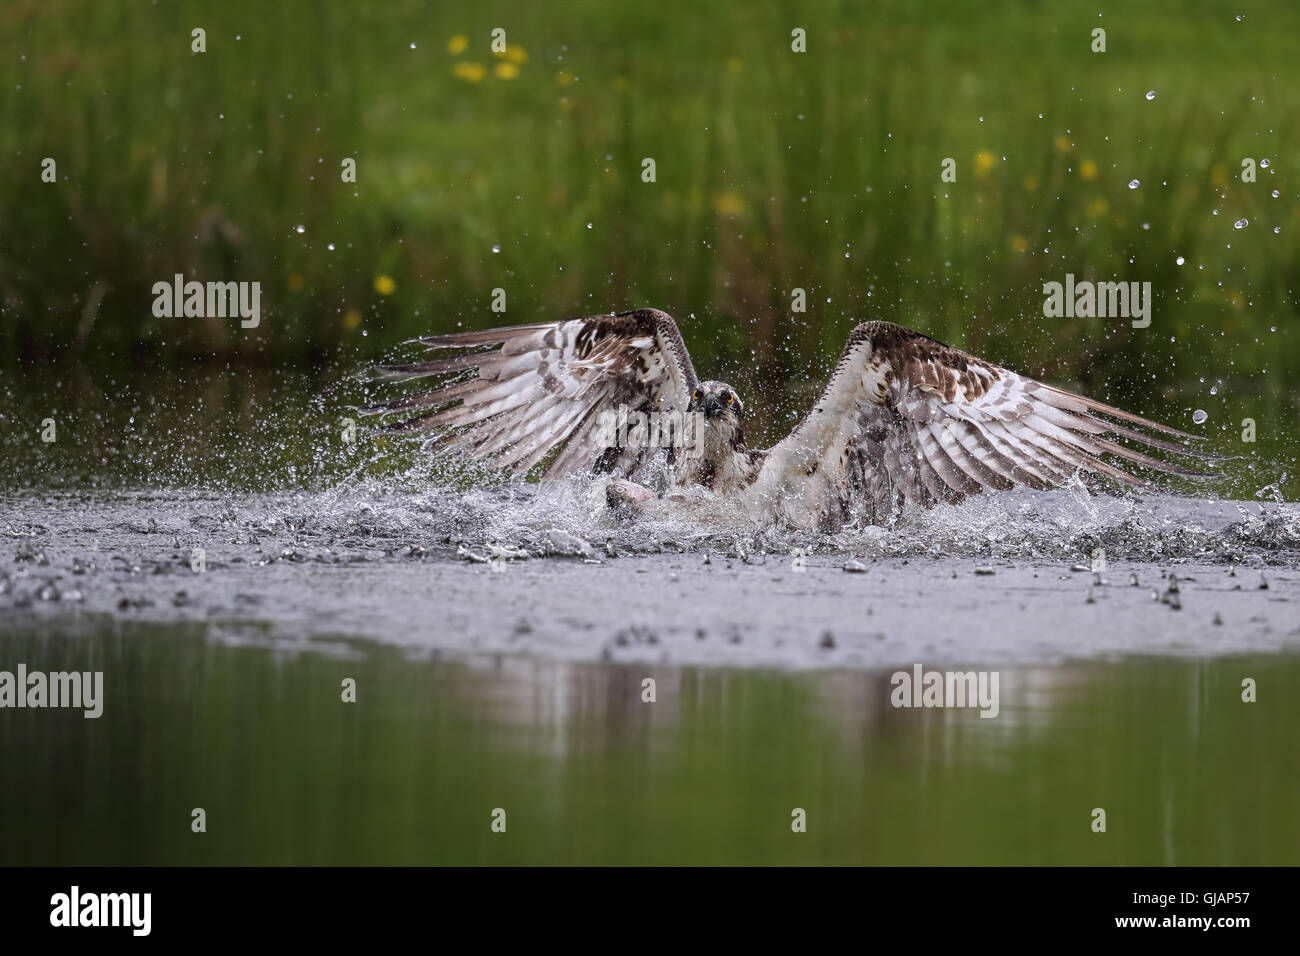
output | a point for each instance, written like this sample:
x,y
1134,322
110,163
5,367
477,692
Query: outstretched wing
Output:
x,y
535,387
906,419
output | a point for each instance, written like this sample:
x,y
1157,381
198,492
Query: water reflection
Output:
x,y
588,772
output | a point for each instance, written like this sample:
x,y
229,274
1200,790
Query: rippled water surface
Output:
x,y
548,571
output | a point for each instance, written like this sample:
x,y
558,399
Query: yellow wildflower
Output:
x,y
1019,244
469,72
506,71
385,285
458,44
1088,169
351,319
983,162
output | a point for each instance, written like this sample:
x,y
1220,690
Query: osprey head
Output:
x,y
718,459
719,404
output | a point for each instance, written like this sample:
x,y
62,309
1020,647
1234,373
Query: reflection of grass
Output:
x,y
589,774
774,171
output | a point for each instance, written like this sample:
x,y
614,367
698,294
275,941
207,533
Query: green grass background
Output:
x,y
775,170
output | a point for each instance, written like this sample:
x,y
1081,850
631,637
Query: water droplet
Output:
x,y
1151,94
412,46
1214,390
588,225
1276,194
496,248
1264,163
1134,184
1199,416
330,247
1241,224
1180,260
1276,230
300,229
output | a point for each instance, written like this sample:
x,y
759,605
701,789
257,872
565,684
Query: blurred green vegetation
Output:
x,y
589,774
775,170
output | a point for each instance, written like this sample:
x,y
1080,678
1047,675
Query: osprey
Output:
x,y
904,421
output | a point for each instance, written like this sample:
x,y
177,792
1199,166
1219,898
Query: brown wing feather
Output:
x,y
908,418
513,395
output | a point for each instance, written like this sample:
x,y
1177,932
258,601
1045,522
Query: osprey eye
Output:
x,y
696,394
730,398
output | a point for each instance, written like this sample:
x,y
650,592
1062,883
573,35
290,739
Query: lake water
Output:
x,y
227,562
